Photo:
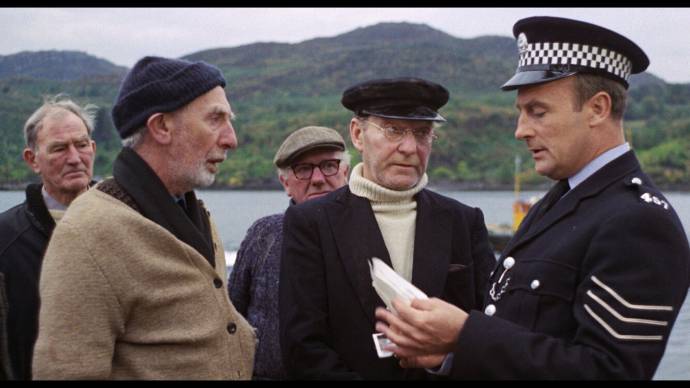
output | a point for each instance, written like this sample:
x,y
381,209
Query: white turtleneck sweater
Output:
x,y
396,213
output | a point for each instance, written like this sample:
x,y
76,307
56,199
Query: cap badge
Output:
x,y
522,42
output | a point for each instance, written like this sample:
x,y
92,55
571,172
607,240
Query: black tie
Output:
x,y
550,199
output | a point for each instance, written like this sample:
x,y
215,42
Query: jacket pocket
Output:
x,y
547,290
460,288
456,267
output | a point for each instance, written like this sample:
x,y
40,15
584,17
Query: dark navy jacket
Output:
x,y
24,233
327,301
594,289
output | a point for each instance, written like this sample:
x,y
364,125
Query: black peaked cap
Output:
x,y
397,98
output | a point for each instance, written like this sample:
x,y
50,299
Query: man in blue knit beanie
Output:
x,y
142,295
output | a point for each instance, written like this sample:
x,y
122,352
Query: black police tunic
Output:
x,y
589,291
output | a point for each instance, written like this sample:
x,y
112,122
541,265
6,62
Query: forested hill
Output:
x,y
56,65
276,88
327,66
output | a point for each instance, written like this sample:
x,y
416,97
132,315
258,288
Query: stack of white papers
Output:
x,y
390,285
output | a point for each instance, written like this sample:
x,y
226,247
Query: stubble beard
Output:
x,y
203,177
195,177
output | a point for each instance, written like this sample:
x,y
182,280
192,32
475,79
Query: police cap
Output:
x,y
397,98
551,48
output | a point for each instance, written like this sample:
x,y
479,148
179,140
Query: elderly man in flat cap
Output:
x,y
312,162
591,284
327,300
133,282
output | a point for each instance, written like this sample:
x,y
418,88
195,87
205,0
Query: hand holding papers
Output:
x,y
389,285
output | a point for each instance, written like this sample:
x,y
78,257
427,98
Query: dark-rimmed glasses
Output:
x,y
424,135
304,171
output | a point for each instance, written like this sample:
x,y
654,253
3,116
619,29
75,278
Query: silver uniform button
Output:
x,y
636,181
535,284
509,262
490,310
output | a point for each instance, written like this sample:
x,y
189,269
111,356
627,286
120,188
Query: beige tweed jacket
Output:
x,y
123,298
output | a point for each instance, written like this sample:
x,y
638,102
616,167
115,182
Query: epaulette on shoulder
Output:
x,y
646,193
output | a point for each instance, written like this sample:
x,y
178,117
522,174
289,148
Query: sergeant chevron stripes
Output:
x,y
625,302
620,317
622,336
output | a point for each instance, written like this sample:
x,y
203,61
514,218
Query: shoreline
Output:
x,y
436,186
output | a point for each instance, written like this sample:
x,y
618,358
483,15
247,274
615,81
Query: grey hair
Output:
x,y
60,102
345,159
133,140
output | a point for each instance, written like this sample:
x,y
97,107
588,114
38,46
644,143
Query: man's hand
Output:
x,y
427,327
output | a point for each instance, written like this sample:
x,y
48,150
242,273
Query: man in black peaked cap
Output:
x,y
327,300
590,285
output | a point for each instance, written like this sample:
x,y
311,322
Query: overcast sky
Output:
x,y
123,35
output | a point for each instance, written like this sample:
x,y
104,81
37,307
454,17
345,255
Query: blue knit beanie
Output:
x,y
158,84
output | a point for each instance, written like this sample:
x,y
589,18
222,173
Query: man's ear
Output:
x,y
160,127
356,133
599,107
286,185
29,157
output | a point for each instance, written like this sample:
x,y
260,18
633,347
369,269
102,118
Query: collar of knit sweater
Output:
x,y
376,193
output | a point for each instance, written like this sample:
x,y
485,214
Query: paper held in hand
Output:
x,y
390,285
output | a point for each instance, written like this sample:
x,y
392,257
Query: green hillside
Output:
x,y
276,88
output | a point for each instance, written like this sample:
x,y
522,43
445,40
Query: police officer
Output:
x,y
591,284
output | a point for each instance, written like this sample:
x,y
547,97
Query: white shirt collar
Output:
x,y
51,203
596,164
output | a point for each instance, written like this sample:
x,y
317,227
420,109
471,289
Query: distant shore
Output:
x,y
437,185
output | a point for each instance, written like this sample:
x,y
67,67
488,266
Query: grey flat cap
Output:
x,y
307,139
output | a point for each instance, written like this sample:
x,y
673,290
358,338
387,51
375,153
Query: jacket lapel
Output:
x,y
36,207
138,180
358,240
592,186
432,246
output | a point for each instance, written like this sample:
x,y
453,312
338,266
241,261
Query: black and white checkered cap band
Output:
x,y
556,53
